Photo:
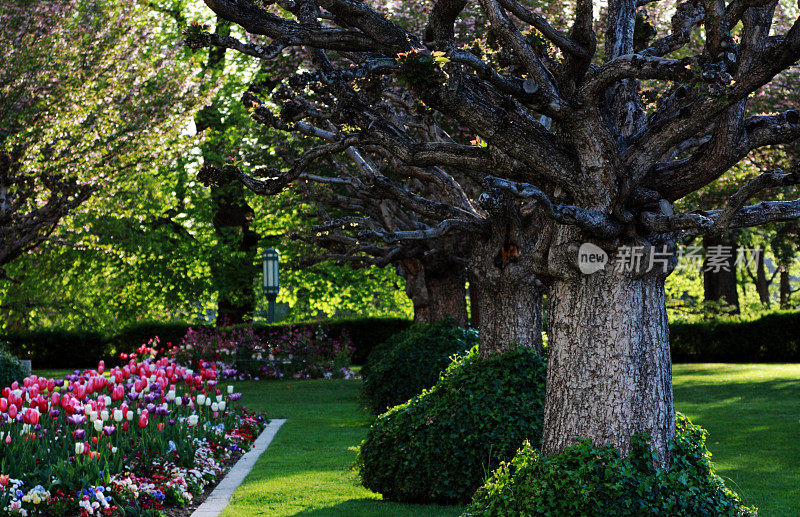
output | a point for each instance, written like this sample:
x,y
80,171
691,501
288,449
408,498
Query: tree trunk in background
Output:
x,y
511,315
435,292
762,284
447,293
231,266
720,285
785,287
233,269
474,306
609,372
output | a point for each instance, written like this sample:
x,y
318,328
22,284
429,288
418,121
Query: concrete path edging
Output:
x,y
221,496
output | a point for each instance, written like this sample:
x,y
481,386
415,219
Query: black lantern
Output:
x,y
271,284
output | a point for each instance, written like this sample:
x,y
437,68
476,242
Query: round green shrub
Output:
x,y
439,446
10,369
594,480
410,362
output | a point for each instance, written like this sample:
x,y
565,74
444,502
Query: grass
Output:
x,y
752,413
305,471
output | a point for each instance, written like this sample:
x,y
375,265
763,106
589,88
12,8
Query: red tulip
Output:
x,y
12,411
3,404
125,426
143,419
80,391
33,417
55,399
101,367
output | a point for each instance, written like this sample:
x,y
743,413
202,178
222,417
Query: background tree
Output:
x,y
74,109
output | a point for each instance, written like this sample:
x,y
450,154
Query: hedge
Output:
x,y
771,338
59,348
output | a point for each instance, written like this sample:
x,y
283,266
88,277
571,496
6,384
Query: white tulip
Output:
x,y
215,407
104,415
130,416
78,448
193,420
118,415
179,401
208,402
201,399
230,389
98,425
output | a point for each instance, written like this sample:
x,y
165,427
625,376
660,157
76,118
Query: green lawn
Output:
x,y
751,411
305,470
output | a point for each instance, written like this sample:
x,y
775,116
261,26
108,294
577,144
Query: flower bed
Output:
x,y
132,440
289,352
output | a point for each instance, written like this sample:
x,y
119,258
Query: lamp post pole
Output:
x,y
271,279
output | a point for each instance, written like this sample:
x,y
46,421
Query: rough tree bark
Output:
x,y
719,284
618,382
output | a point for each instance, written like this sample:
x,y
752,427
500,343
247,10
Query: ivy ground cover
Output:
x,y
133,440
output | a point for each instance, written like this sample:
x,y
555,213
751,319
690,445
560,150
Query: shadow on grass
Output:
x,y
371,507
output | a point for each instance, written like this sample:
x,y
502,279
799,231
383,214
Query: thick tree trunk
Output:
x,y
435,293
719,281
609,371
511,315
447,292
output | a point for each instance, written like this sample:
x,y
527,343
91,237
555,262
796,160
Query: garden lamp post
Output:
x,y
271,285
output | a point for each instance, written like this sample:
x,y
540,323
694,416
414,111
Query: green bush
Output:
x,y
10,368
593,480
439,446
58,348
410,362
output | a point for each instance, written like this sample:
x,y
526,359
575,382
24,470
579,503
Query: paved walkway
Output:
x,y
221,496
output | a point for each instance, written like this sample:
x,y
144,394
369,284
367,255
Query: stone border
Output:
x,y
221,496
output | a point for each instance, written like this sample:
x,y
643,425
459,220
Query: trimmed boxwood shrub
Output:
x,y
10,368
438,446
57,348
410,362
593,480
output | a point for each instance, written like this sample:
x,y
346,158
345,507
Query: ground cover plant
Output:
x,y
587,479
130,440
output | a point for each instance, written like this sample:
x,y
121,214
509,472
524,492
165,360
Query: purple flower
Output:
x,y
108,430
235,396
54,413
162,410
79,434
76,419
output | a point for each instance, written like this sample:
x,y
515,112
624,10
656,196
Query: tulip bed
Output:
x,y
133,440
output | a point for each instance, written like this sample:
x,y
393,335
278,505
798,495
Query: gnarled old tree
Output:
x,y
571,151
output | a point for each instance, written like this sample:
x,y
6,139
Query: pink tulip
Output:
x,y
3,404
12,411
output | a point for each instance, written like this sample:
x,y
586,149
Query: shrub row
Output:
x,y
771,338
59,348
